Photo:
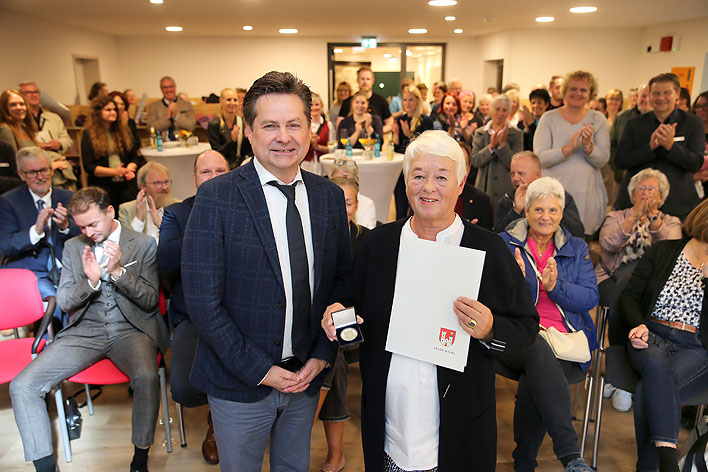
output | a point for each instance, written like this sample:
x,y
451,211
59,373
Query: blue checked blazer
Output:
x,y
233,286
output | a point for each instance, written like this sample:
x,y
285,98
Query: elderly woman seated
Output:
x,y
562,283
664,305
417,416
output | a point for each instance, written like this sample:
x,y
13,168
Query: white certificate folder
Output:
x,y
429,278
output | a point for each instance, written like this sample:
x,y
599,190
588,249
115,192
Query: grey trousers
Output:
x,y
132,351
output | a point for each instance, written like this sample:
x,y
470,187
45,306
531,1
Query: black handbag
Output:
x,y
73,418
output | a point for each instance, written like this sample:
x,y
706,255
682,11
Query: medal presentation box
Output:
x,y
348,332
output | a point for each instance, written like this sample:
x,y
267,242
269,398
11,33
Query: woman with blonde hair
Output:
x,y
359,120
614,100
17,127
225,131
343,91
319,135
107,151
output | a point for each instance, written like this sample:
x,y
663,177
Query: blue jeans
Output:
x,y
673,370
242,431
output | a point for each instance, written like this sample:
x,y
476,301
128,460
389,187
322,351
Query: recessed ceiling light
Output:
x,y
583,9
247,28
387,55
156,2
458,31
357,49
450,18
287,31
409,52
173,28
417,31
337,50
442,3
545,19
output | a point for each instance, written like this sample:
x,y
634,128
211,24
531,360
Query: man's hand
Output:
x,y
59,164
520,199
549,277
61,216
639,336
280,379
90,266
140,205
306,375
172,110
112,251
154,213
665,135
42,220
53,145
467,309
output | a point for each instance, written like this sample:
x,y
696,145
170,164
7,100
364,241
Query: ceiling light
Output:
x,y
247,28
392,59
545,19
417,31
442,3
287,31
409,52
583,9
387,55
357,49
156,2
488,19
337,50
173,28
458,31
450,18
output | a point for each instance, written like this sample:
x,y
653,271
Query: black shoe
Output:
x,y
144,469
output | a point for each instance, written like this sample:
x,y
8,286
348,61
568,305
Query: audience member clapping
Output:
x,y
123,111
573,144
469,119
359,121
492,148
555,89
485,102
107,151
344,91
225,131
17,127
448,117
171,113
540,100
684,100
319,135
514,112
614,103
562,284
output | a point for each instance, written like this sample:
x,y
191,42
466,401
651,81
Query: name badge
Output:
x,y
4,164
679,139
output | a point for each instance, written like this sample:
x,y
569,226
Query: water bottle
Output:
x,y
158,141
377,147
349,152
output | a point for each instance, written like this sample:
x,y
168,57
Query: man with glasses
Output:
x,y
144,214
34,222
172,113
52,137
666,139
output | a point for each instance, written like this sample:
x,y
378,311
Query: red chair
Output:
x,y
104,372
21,305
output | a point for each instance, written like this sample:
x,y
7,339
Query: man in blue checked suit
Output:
x,y
34,217
266,250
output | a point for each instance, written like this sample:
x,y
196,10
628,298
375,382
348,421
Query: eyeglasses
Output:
x,y
32,174
348,163
159,184
31,92
702,106
646,188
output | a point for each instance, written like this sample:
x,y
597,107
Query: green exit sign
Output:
x,y
368,43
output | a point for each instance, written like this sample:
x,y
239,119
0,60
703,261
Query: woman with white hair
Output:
x,y
624,238
562,283
415,415
492,148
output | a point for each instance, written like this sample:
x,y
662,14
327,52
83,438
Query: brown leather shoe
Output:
x,y
209,450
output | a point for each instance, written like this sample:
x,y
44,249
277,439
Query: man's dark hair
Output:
x,y
541,94
275,83
82,200
667,77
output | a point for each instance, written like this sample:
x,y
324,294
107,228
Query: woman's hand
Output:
x,y
520,261
586,134
573,144
234,133
549,277
406,128
474,317
502,135
639,336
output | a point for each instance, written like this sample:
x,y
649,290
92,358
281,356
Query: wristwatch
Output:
x,y
654,218
116,279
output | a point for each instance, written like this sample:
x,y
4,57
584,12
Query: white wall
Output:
x,y
39,50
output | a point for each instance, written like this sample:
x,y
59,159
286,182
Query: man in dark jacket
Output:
x,y
525,167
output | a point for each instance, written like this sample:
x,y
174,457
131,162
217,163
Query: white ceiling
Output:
x,y
342,20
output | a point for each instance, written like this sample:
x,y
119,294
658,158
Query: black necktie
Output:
x,y
52,269
299,274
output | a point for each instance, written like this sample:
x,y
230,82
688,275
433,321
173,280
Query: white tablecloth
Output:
x,y
180,163
377,179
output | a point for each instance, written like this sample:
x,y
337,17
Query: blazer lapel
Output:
x,y
252,194
126,246
318,222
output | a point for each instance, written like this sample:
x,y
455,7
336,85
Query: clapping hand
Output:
x,y
549,275
61,216
90,266
42,220
586,133
406,128
112,251
520,261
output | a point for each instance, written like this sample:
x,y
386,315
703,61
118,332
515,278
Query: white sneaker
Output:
x,y
608,390
622,400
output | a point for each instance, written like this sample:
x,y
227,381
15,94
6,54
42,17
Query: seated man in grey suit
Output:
x,y
109,282
144,214
172,113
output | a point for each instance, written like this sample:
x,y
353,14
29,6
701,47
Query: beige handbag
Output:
x,y
571,346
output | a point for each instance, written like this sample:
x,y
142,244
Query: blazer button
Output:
x,y
277,343
281,304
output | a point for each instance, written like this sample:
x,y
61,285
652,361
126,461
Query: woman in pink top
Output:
x,y
562,282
